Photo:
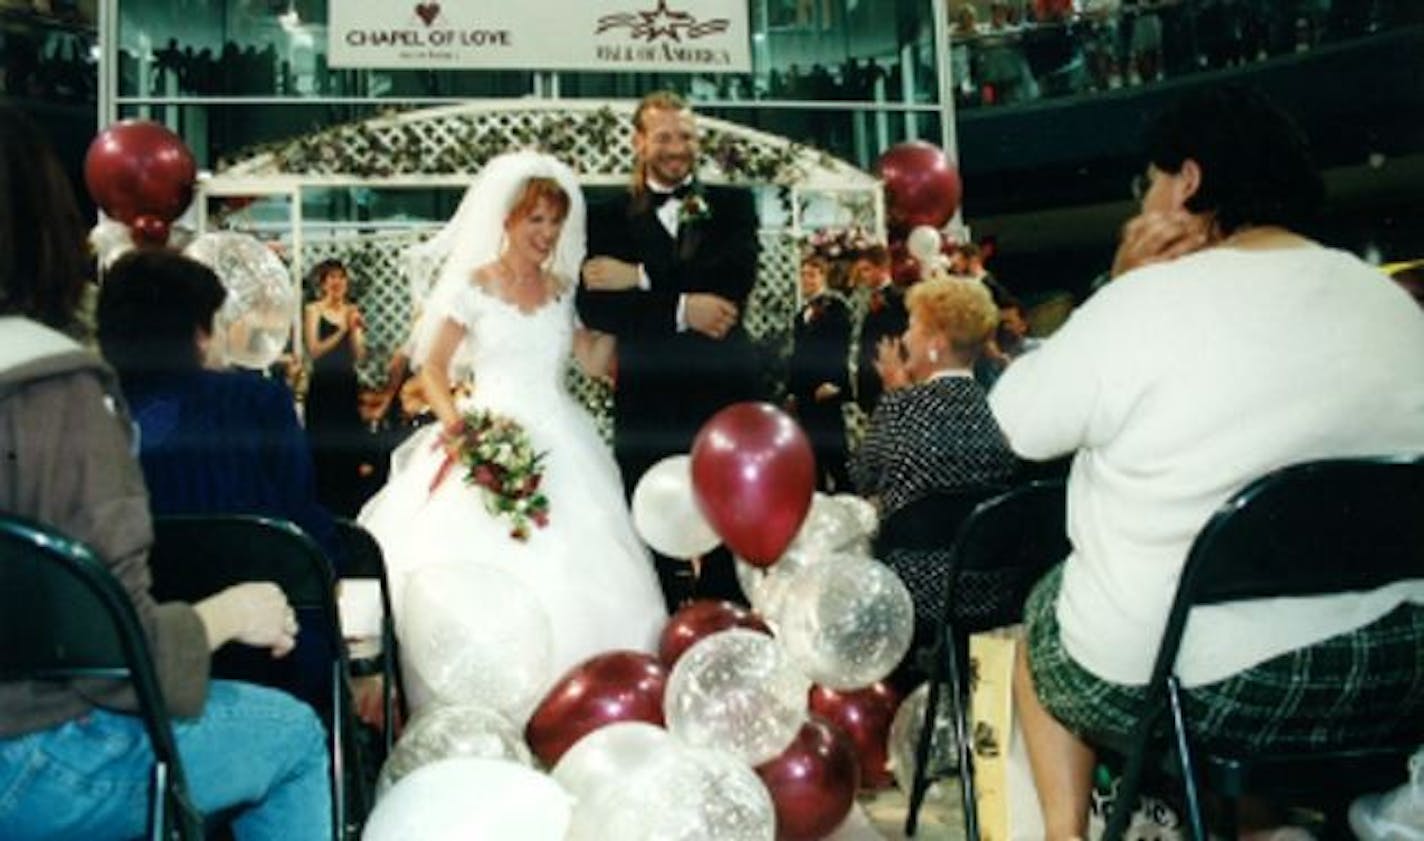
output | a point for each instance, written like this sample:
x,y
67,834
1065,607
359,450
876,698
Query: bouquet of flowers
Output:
x,y
500,459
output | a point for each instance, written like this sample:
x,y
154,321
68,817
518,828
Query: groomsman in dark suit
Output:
x,y
670,265
819,377
885,317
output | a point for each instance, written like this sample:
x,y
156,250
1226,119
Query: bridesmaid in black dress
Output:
x,y
336,339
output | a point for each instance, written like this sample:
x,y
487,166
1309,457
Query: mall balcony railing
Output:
x,y
1005,61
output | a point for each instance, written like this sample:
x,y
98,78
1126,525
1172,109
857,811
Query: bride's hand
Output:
x,y
450,437
609,275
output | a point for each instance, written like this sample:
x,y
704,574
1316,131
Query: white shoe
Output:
x,y
1395,815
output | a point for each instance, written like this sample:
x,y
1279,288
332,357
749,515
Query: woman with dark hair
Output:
x,y
1227,346
74,760
335,335
211,441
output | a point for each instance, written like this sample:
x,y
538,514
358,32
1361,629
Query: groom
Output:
x,y
670,264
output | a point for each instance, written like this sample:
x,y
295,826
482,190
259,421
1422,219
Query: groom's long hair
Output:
x,y
655,101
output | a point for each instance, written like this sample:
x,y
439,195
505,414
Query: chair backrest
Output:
x,y
195,556
930,522
364,559
1002,549
64,616
1310,529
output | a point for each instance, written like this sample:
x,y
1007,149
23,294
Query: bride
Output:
x,y
499,324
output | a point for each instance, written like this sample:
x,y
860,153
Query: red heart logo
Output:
x,y
428,12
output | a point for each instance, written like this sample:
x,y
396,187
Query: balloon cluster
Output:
x,y
922,193
141,174
749,724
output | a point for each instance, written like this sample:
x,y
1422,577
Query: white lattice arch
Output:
x,y
445,147
444,136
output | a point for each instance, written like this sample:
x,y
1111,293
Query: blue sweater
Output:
x,y
228,442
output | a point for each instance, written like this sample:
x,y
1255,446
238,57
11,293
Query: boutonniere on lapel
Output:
x,y
816,308
876,302
694,208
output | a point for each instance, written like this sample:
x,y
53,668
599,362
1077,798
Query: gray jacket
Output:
x,y
66,460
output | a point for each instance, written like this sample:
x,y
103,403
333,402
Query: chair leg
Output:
x,y
919,779
1130,786
1184,758
338,755
159,802
388,690
961,733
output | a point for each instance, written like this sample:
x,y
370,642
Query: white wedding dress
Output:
x,y
587,567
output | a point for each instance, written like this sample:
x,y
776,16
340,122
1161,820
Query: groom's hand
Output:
x,y
710,315
609,275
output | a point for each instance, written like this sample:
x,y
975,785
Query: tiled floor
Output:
x,y
941,819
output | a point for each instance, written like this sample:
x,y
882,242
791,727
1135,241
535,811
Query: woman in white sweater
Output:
x,y
1227,346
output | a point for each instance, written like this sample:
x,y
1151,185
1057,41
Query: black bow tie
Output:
x,y
679,193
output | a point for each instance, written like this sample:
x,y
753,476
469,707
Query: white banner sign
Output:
x,y
689,36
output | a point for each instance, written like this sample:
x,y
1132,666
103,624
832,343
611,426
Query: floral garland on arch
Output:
x,y
367,151
839,243
500,459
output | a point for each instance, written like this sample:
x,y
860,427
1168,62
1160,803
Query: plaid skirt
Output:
x,y
1361,687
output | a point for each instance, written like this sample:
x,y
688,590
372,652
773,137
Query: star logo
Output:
x,y
661,23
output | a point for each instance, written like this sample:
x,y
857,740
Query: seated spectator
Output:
x,y
1009,340
932,431
819,375
214,441
211,441
1227,347
67,443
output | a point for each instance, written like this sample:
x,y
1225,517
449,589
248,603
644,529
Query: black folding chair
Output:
x,y
1338,526
998,553
364,559
196,556
65,617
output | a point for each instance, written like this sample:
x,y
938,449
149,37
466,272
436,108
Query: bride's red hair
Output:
x,y
535,190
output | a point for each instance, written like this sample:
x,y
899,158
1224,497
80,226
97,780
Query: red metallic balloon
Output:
x,y
703,618
922,187
137,168
812,782
903,268
752,474
606,689
149,230
865,716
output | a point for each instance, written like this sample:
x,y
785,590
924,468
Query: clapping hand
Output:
x,y
710,315
890,363
606,274
1155,237
826,391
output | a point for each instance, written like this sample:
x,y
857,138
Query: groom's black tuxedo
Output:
x,y
669,381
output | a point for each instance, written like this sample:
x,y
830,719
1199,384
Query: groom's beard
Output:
x,y
656,170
